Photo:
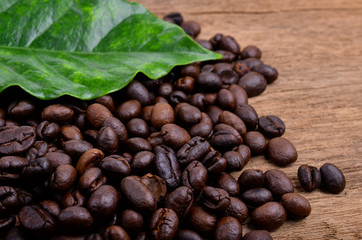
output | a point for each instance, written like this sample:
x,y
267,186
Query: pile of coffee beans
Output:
x,y
153,160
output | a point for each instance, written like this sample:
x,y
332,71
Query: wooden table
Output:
x,y
317,48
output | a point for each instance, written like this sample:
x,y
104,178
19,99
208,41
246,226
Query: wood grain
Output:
x,y
317,48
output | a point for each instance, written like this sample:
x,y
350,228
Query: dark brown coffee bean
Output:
x,y
216,39
146,113
73,198
132,221
63,178
256,142
229,77
38,150
16,140
278,183
57,113
37,221
193,150
235,162
240,94
332,178
210,98
115,166
203,130
162,113
198,100
128,110
186,234
177,97
270,73
186,84
142,161
256,197
250,52
241,68
11,168
137,127
269,216
167,166
214,113
115,232
309,177
91,180
21,109
214,163
254,83
97,113
228,228
227,56
174,136
164,224
9,200
193,69
194,176
47,130
51,207
281,151
257,235
225,137
76,148
248,114
188,115
210,81
118,127
226,99
107,140
75,219
90,158
155,139
296,205
56,159
228,183
237,209
136,90
191,28
165,90
252,62
25,197
137,194
37,171
251,178
71,133
142,236
137,144
271,126
214,199
156,185
174,17
232,120
201,221
206,119
103,202
228,43
6,223
180,200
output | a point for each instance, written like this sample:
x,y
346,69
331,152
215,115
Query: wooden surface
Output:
x,y
317,48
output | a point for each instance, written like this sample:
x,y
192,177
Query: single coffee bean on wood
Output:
x,y
309,177
332,178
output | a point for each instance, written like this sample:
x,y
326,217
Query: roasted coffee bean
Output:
x,y
132,221
177,97
37,171
90,158
165,90
16,140
226,99
216,39
11,168
174,136
97,113
228,43
269,216
174,17
228,228
137,144
333,179
254,83
225,137
214,198
90,135
137,127
198,100
180,200
164,224
194,176
227,56
256,197
203,130
296,205
167,166
137,194
103,202
115,166
241,68
193,150
146,113
25,197
57,113
186,84
250,52
37,221
257,235
107,140
6,223
142,161
188,115
93,236
106,101
210,81
252,62
228,183
51,207
76,148
63,178
47,130
136,90
91,180
240,94
206,119
9,200
271,126
191,28
162,113
201,220
210,98
281,151
156,185
71,133
309,177
235,162
115,232
214,163
38,150
229,77
128,110
193,69
232,120
256,142
21,109
56,159
278,183
73,198
75,219
221,67
270,73
214,113
237,209
251,178
155,139
248,114
186,234
117,126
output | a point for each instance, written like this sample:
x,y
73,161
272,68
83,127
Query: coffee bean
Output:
x,y
75,219
193,69
226,99
37,171
269,216
254,83
191,28
103,202
186,84
227,56
201,221
11,168
115,232
235,162
37,221
186,234
252,62
270,73
229,77
203,130
277,182
137,91
250,52
107,101
115,166
194,176
248,114
256,197
156,185
251,178
188,115
210,98
228,228
241,68
271,126
237,209
63,178
91,180
47,130
167,166
281,151
51,207
241,97
214,199
9,200
132,221
309,177
164,224
16,140
174,17
209,80
142,161
256,142
21,109
165,90
90,158
296,205
180,200
118,127
174,136
137,144
214,113
162,113
229,43
214,163
257,235
73,198
193,150
6,223
57,113
332,178
76,147
228,183
107,140
232,120
225,137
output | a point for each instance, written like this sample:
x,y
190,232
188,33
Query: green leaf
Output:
x,y
86,48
